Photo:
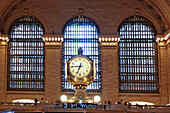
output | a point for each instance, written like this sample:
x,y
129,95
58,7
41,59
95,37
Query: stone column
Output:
x,y
3,66
162,66
168,66
53,65
166,41
109,67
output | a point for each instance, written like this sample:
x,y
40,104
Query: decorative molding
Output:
x,y
53,41
80,11
4,37
160,38
109,38
109,44
163,40
168,42
53,38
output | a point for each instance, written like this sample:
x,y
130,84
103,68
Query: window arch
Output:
x,y
82,32
138,65
26,55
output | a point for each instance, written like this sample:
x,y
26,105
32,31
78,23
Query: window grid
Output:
x,y
26,55
138,65
81,32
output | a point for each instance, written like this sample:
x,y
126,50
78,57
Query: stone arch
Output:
x,y
75,14
152,19
14,17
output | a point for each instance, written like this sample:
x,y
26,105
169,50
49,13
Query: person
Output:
x,y
126,103
104,105
109,103
36,101
120,102
58,103
145,107
129,105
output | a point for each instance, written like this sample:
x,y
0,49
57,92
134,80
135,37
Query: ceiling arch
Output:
x,y
160,9
8,6
155,6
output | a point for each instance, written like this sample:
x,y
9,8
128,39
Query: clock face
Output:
x,y
80,67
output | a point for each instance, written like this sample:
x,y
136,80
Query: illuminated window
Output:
x,y
81,32
138,65
26,55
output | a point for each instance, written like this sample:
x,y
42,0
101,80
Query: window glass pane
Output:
x,y
138,56
26,55
81,32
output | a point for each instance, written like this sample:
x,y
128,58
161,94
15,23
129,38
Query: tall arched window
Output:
x,y
26,55
81,32
138,65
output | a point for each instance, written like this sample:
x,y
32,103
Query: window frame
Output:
x,y
70,22
35,80
124,81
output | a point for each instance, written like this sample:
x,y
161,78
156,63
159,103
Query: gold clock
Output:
x,y
80,71
80,67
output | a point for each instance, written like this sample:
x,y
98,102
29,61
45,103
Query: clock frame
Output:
x,y
74,77
80,82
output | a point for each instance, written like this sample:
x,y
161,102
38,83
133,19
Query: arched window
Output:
x,y
138,65
26,55
81,32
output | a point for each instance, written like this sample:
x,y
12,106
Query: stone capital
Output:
x,y
4,38
108,40
53,40
163,40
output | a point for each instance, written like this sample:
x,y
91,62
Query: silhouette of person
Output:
x,y
36,101
126,103
104,106
129,106
120,102
109,102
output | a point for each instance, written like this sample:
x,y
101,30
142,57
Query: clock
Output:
x,y
80,67
80,70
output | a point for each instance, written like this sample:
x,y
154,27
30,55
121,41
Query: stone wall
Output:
x,y
108,15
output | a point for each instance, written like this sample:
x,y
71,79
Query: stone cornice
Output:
x,y
109,38
52,38
53,41
160,38
163,40
4,37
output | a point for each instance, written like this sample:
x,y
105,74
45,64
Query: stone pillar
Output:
x,y
3,66
109,67
162,66
53,65
168,66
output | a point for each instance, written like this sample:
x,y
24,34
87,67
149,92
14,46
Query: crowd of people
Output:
x,y
108,103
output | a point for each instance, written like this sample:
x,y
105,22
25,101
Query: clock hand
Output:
x,y
74,66
79,68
